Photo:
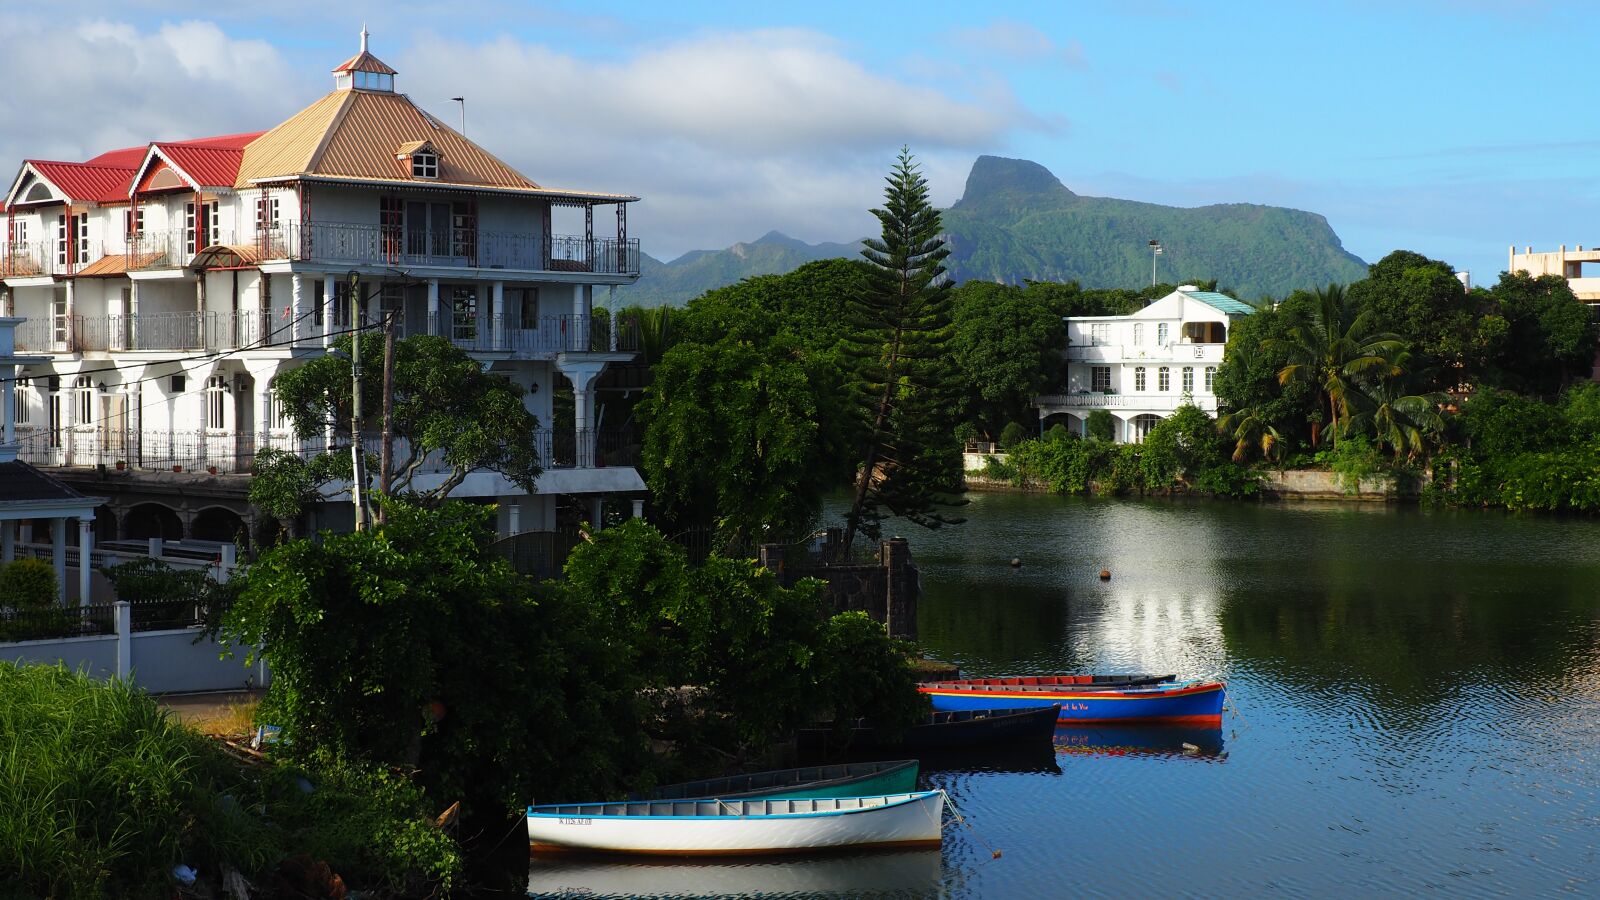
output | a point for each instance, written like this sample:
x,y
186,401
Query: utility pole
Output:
x,y
386,449
1155,251
357,470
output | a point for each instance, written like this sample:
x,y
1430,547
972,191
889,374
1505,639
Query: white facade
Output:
x,y
1566,263
1142,367
165,315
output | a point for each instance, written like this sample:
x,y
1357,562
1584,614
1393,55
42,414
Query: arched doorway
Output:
x,y
218,523
152,520
1139,427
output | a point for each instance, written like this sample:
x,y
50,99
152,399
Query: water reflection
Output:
x,y
1144,740
886,874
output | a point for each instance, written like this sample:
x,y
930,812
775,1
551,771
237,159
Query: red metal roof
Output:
x,y
82,181
208,166
127,157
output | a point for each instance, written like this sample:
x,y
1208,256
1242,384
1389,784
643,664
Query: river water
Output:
x,y
1415,709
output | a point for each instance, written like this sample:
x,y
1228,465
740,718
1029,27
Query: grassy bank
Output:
x,y
103,794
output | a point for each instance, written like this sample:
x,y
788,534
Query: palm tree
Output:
x,y
1402,420
1334,349
1249,432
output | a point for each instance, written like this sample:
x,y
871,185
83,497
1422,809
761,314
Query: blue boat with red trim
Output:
x,y
1089,698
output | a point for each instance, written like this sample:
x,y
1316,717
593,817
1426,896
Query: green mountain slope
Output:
x,y
1017,222
677,282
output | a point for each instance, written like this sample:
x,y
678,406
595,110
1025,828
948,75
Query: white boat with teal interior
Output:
x,y
738,827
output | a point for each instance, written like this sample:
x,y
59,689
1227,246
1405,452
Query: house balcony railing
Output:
x,y
1176,352
1137,400
347,242
30,259
150,331
545,334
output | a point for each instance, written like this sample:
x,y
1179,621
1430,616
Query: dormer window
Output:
x,y
425,164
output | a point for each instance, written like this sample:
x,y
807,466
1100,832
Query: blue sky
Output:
x,y
1450,128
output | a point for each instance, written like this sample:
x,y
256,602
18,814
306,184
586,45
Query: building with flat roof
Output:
x,y
1566,263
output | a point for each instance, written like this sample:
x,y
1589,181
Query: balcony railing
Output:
x,y
27,259
348,242
545,334
151,331
232,453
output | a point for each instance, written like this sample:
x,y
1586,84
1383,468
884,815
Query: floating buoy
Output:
x,y
1190,748
1105,574
1016,562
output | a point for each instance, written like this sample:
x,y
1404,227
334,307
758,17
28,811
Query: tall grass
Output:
x,y
102,793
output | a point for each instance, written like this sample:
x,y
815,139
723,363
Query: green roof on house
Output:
x,y
1221,302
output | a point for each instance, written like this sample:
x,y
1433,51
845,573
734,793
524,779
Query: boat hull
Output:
x,y
1197,704
848,780
943,731
762,827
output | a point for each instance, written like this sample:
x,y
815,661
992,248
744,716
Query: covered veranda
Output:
x,y
27,494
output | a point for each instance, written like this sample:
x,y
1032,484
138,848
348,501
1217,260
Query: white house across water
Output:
x,y
165,286
1142,367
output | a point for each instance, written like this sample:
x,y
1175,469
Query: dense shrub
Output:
x,y
1101,426
1013,434
103,794
29,584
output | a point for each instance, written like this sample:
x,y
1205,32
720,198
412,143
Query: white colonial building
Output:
x,y
166,286
1142,367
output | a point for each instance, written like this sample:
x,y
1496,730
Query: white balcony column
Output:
x,y
58,555
301,328
116,326
133,315
497,313
597,511
8,411
435,327
638,509
583,375
582,315
514,516
85,556
328,287
72,313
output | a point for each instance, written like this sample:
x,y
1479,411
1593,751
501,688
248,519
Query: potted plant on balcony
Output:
x,y
121,464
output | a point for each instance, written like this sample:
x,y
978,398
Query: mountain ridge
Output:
x,y
1016,221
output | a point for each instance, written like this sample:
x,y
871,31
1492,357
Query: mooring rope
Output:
x,y
951,804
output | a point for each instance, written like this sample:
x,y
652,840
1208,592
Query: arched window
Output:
x,y
216,403
1211,379
1161,334
1138,376
1138,333
83,401
1188,380
1163,379
277,418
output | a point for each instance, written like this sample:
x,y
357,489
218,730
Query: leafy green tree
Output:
x,y
1550,338
1421,300
744,437
1101,426
1251,432
727,657
1013,434
1247,379
1397,413
1007,343
1332,349
411,645
909,466
1179,446
445,407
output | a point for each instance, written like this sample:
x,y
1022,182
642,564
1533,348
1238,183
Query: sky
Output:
x,y
1454,128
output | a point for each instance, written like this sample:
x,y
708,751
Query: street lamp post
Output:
x,y
1155,251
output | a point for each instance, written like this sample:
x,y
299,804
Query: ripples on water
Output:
x,y
1416,695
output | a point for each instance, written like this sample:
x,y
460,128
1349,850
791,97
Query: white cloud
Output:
x,y
1020,42
79,90
724,135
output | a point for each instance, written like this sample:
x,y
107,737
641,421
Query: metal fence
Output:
x,y
56,622
539,554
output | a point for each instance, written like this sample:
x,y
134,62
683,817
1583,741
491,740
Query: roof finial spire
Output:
x,y
363,37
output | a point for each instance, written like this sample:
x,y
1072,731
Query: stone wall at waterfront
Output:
x,y
887,589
